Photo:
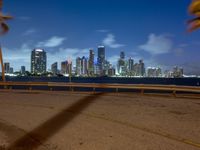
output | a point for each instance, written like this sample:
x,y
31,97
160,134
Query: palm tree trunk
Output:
x,y
2,65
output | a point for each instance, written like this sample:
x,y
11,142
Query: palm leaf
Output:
x,y
7,17
4,28
194,8
1,4
194,25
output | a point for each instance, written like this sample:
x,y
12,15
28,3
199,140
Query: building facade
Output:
x,y
54,68
154,72
7,67
38,61
84,66
121,66
23,69
91,63
78,66
101,59
66,67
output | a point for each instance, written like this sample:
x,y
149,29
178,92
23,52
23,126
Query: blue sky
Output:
x,y
152,30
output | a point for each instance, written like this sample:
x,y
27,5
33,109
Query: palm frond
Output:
x,y
1,5
4,28
194,25
194,8
7,17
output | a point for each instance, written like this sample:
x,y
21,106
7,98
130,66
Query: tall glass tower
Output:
x,y
101,59
91,63
38,61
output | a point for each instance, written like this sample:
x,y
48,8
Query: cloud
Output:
x,y
29,32
54,41
102,31
155,45
111,42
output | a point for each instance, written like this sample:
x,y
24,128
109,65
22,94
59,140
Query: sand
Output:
x,y
101,121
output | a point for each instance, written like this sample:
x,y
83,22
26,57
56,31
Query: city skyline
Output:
x,y
88,67
153,30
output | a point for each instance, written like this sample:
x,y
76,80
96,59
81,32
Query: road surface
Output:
x,y
101,121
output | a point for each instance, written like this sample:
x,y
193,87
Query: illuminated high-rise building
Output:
x,y
91,63
141,68
122,55
54,68
177,72
111,72
101,59
7,67
84,66
130,64
154,72
11,70
23,69
38,61
66,67
121,66
78,66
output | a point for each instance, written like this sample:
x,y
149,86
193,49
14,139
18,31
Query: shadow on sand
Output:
x,y
43,132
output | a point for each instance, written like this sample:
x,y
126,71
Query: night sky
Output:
x,y
152,30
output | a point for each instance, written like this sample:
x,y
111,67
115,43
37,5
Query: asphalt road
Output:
x,y
88,121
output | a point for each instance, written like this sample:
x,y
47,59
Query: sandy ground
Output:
x,y
87,121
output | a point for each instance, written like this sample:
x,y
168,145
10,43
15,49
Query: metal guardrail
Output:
x,y
141,87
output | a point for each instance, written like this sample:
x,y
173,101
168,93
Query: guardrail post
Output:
x,y
142,91
30,88
174,93
117,90
51,89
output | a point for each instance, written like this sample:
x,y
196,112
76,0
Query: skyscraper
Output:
x,y
141,68
84,66
154,72
23,69
66,67
11,70
122,55
54,68
121,64
130,64
7,67
91,63
111,72
38,61
78,66
101,59
177,72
